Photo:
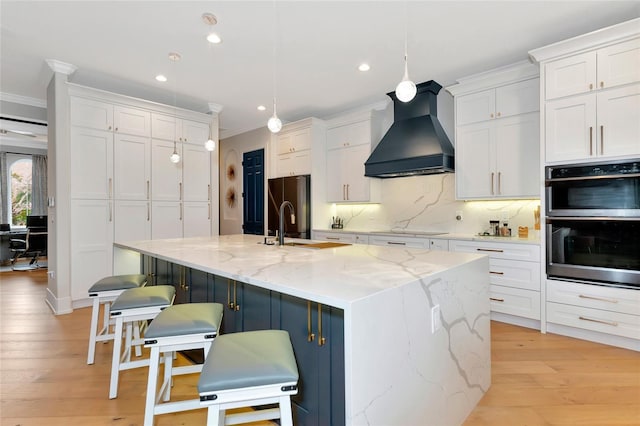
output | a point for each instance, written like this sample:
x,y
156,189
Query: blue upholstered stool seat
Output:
x,y
247,369
134,305
103,293
143,297
118,282
179,327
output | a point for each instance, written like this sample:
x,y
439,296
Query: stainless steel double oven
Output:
x,y
593,223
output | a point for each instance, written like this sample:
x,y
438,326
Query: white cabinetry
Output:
x,y
293,149
514,274
497,134
592,102
400,241
348,147
613,311
122,184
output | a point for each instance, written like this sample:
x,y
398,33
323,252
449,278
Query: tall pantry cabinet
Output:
x,y
123,185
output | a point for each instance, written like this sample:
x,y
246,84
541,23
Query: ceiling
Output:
x,y
122,45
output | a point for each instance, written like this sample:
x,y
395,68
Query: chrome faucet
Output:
x,y
281,227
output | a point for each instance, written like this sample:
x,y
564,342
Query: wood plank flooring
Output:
x,y
537,379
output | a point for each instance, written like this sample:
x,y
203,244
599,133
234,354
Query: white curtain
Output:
x,y
4,189
39,185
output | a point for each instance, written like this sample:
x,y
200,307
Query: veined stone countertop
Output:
x,y
332,276
533,238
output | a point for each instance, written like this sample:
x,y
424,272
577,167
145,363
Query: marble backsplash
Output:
x,y
427,203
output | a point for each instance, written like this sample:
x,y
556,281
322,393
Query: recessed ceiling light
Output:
x,y
262,108
161,78
214,38
364,67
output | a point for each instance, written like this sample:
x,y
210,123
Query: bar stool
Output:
x,y
249,369
179,327
133,305
104,292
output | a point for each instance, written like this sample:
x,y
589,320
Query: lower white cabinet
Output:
x,y
196,219
404,241
91,244
132,220
438,244
341,237
514,274
608,310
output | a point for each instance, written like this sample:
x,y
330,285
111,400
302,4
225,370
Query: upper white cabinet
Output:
x,y
608,67
100,115
172,128
293,145
349,141
497,134
591,87
503,101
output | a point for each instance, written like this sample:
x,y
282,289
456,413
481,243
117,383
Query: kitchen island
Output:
x,y
414,322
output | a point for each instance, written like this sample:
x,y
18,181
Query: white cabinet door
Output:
x,y
91,244
131,121
196,219
475,161
92,114
570,128
132,220
619,64
518,98
294,164
517,156
437,244
570,76
196,172
351,134
194,132
475,107
166,177
91,163
619,121
164,127
132,167
336,191
358,186
166,219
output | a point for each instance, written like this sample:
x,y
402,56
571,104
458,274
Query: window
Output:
x,y
20,183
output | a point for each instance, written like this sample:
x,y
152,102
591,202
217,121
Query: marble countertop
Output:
x,y
533,238
332,276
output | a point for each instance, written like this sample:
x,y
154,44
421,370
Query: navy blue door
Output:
x,y
253,192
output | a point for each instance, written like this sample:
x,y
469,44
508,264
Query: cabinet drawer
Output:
x,y
615,323
436,244
515,301
399,241
527,252
620,300
514,273
335,236
362,239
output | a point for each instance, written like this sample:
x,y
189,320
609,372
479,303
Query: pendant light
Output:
x,y
274,124
406,89
210,144
175,157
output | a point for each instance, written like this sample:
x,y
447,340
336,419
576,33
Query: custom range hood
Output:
x,y
415,144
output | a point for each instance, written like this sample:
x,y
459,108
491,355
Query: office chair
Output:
x,y
25,248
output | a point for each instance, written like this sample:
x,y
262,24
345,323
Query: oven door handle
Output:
x,y
569,179
549,219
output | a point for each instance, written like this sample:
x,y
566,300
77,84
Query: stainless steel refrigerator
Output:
x,y
297,190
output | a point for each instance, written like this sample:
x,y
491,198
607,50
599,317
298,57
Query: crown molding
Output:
x,y
61,67
24,100
215,108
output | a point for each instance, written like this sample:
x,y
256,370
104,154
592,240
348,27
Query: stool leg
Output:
x,y
152,385
215,416
115,361
127,341
168,375
286,418
136,336
93,331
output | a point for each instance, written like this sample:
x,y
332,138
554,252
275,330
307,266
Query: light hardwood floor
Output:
x,y
537,379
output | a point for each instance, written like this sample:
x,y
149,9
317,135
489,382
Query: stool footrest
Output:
x,y
252,416
252,394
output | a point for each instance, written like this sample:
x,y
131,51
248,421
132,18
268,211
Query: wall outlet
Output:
x,y
52,275
459,215
436,323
